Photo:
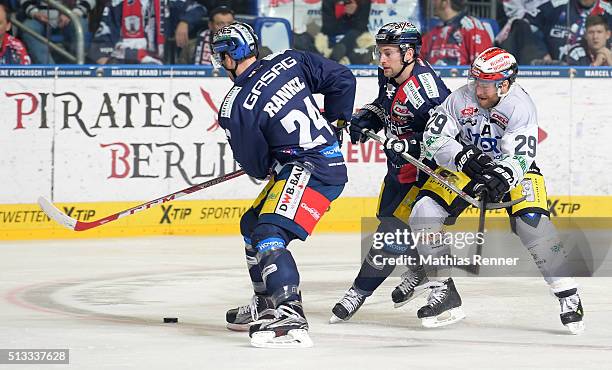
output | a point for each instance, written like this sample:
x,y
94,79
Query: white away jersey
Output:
x,y
507,132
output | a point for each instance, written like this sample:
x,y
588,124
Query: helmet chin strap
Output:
x,y
406,64
499,91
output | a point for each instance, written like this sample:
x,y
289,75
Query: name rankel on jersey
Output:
x,y
266,79
283,95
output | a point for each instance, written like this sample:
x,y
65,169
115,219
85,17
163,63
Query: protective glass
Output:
x,y
387,52
217,60
486,85
219,48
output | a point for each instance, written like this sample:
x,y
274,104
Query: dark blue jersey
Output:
x,y
407,106
271,115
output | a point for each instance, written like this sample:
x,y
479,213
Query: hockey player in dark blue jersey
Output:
x,y
408,90
274,127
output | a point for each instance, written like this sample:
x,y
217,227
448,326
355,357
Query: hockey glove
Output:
x,y
371,116
394,148
495,181
472,161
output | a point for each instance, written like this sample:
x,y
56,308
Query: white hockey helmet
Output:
x,y
494,65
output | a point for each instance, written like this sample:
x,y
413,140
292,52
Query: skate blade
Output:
x,y
296,338
418,291
335,319
575,327
245,327
445,318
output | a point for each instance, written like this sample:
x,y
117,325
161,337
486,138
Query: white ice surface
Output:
x,y
105,300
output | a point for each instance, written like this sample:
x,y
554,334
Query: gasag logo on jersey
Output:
x,y
411,88
292,193
332,151
429,84
266,79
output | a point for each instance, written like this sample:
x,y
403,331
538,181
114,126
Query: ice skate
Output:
x,y
413,284
348,305
289,329
260,310
572,313
443,305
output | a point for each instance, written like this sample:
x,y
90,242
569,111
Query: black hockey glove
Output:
x,y
495,181
371,116
395,147
472,161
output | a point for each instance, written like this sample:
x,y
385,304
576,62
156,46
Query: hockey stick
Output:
x,y
58,216
475,268
425,168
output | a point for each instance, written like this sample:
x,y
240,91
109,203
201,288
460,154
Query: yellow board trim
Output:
x,y
222,217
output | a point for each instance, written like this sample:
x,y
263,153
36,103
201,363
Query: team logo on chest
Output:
x,y
390,91
469,116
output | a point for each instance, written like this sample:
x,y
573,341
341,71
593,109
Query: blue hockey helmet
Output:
x,y
404,34
238,40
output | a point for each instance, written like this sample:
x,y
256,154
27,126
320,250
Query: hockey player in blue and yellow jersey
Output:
x,y
275,128
408,90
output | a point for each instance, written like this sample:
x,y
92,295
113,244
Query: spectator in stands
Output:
x,y
132,33
44,20
345,31
563,24
186,19
460,37
593,49
219,17
12,50
516,34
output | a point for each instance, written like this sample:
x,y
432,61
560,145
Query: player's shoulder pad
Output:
x,y
427,79
457,99
287,52
228,102
520,108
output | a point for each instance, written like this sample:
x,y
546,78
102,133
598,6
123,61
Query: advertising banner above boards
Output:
x,y
96,144
185,71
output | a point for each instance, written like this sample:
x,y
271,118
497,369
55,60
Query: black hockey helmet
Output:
x,y
404,34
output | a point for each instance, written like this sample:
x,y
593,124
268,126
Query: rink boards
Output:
x,y
97,141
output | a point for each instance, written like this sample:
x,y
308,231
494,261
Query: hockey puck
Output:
x,y
170,320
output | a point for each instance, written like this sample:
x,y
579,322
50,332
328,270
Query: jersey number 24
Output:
x,y
297,119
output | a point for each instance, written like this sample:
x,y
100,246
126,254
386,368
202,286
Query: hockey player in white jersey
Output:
x,y
486,133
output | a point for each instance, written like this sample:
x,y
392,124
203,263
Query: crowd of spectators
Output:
x,y
538,32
